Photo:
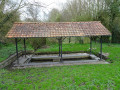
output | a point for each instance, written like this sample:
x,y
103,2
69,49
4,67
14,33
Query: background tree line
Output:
x,y
8,15
10,12
106,11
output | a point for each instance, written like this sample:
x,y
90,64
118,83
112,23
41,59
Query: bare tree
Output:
x,y
6,6
35,11
9,13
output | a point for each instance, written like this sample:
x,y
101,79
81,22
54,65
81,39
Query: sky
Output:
x,y
53,3
49,5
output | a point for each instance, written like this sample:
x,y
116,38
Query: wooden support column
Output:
x,y
90,45
16,50
59,46
24,47
61,50
101,48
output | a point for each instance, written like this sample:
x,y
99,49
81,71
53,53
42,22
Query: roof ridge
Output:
x,y
56,22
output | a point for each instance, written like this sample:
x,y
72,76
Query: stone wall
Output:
x,y
11,59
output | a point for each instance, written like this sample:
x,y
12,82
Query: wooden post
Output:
x,y
101,48
59,46
90,45
16,50
24,47
61,50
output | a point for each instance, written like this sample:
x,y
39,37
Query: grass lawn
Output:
x,y
82,77
66,47
9,49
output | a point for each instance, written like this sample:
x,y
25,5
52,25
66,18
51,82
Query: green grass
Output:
x,y
9,49
77,77
66,47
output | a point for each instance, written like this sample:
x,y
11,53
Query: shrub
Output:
x,y
37,43
50,41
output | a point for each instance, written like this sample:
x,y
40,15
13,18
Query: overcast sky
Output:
x,y
49,5
53,3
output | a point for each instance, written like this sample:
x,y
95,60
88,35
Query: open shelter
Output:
x,y
58,30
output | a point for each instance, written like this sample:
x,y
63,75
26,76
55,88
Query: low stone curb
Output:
x,y
59,64
9,60
12,58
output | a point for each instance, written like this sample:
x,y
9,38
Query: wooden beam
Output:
x,y
59,47
101,48
16,50
90,45
61,50
25,47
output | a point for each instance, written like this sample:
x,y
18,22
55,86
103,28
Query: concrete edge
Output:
x,y
10,59
58,64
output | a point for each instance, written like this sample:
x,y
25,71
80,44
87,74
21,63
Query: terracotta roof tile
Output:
x,y
57,29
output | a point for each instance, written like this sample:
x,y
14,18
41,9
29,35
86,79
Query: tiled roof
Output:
x,y
57,29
